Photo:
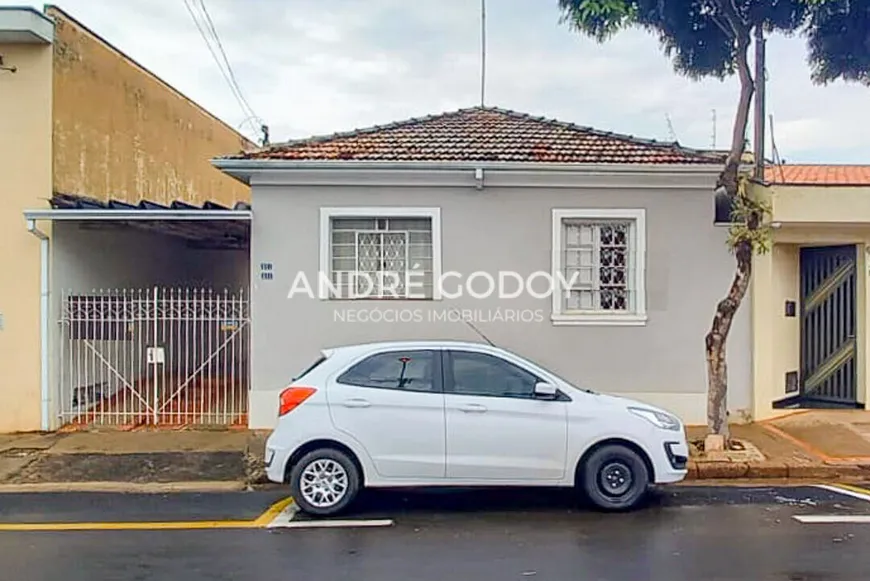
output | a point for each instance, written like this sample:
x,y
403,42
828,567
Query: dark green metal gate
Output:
x,y
828,319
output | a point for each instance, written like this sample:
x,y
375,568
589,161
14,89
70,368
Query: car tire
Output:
x,y
615,478
324,482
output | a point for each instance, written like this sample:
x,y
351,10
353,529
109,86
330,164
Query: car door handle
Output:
x,y
472,408
356,402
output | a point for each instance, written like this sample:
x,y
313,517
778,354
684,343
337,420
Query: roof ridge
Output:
x,y
555,132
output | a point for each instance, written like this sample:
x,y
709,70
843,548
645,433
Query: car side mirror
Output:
x,y
545,390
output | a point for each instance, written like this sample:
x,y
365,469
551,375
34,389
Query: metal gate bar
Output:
x,y
828,325
154,356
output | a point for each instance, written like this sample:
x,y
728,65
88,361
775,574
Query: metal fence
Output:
x,y
159,356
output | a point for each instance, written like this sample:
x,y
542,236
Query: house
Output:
x,y
809,297
85,129
592,253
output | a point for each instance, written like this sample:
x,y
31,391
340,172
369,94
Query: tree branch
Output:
x,y
718,22
720,9
742,20
728,179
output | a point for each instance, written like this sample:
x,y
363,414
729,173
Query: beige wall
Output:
x,y
25,182
820,204
120,132
82,118
776,336
804,216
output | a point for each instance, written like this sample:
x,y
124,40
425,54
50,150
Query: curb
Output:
x,y
725,470
125,487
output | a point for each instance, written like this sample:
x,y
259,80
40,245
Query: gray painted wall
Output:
x,y
688,271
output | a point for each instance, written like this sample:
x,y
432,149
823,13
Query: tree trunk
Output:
x,y
716,339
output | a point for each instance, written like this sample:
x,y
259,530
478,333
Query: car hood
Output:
x,y
625,403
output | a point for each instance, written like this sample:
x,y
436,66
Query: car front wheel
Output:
x,y
615,478
324,482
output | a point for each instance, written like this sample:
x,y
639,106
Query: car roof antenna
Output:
x,y
476,330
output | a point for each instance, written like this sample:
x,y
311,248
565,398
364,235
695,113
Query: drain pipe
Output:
x,y
43,322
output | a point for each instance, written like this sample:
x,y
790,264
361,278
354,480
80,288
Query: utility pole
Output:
x,y
760,82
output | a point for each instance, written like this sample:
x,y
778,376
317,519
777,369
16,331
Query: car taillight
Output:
x,y
292,397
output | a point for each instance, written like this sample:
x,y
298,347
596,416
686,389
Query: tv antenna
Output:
x,y
713,138
671,132
482,52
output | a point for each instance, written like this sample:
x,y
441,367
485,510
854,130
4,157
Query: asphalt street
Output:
x,y
684,533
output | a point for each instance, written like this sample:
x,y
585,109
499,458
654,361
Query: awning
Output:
x,y
210,225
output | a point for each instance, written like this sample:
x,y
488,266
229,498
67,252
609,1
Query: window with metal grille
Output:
x,y
600,255
381,257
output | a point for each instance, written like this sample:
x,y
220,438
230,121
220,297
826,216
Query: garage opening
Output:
x,y
151,314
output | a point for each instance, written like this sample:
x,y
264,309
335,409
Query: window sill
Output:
x,y
610,320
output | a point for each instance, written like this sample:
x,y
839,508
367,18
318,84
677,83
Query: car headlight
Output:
x,y
658,419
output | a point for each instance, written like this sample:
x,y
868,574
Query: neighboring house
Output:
x,y
481,191
82,126
810,302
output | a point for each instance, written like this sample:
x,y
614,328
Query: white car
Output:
x,y
444,413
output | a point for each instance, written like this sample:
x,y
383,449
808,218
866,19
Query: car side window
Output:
x,y
403,370
486,375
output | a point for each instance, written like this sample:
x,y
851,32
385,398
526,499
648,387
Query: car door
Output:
x,y
392,402
496,428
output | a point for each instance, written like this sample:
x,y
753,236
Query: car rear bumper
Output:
x,y
276,458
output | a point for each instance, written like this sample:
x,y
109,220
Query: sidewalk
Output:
x,y
816,446
132,461
812,444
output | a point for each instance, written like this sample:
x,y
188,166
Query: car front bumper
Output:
x,y
672,459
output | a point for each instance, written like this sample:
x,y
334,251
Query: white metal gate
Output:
x,y
163,357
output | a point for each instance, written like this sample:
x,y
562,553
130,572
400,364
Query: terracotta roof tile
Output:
x,y
485,134
829,175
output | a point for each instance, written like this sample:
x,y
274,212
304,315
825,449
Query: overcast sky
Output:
x,y
318,66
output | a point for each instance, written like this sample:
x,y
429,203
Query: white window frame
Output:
x,y
638,316
370,212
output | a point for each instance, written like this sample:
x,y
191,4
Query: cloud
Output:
x,y
320,66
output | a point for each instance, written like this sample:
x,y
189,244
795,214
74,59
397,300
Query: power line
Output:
x,y
220,45
204,36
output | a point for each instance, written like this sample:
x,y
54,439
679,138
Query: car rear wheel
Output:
x,y
615,478
324,482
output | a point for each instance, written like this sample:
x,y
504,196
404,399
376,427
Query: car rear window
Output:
x,y
310,368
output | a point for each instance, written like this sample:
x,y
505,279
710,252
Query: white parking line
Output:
x,y
833,519
846,490
332,524
286,520
852,491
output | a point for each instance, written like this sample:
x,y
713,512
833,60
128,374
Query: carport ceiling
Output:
x,y
203,233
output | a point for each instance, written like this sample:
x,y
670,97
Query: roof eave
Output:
x,y
243,169
135,214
